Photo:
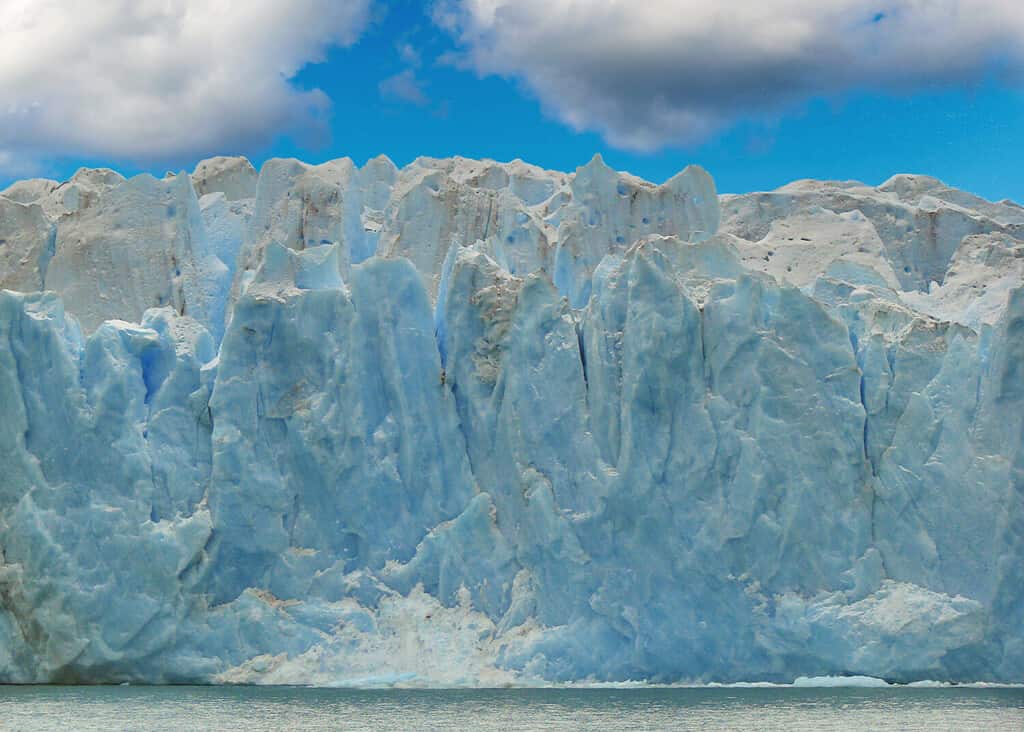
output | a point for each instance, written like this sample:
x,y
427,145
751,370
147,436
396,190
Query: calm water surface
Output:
x,y
292,708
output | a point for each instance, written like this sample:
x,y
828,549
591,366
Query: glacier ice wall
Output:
x,y
470,423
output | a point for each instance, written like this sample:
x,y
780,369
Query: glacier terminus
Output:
x,y
468,423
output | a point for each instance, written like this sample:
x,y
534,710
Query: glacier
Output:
x,y
468,423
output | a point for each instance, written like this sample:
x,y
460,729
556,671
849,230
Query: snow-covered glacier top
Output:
x,y
472,423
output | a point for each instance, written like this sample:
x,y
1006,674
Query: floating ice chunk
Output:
x,y
839,682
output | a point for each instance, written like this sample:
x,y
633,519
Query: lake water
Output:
x,y
291,708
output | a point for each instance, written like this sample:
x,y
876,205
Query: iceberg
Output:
x,y
468,423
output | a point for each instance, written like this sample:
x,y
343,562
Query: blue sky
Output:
x,y
545,82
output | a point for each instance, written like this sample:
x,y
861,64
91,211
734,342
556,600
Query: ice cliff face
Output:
x,y
480,423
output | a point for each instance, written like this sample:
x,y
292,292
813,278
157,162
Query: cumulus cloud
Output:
x,y
646,74
153,79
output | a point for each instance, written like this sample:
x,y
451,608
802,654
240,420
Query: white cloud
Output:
x,y
404,87
646,73
409,54
153,79
14,166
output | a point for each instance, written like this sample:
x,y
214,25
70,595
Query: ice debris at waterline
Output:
x,y
470,423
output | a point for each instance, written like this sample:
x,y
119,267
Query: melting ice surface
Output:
x,y
470,423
